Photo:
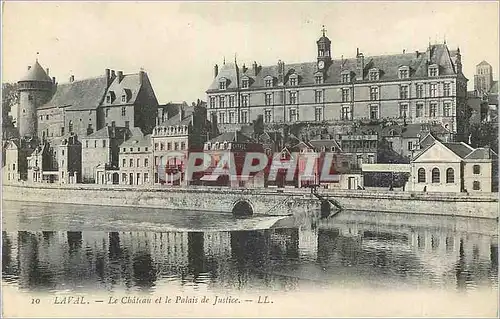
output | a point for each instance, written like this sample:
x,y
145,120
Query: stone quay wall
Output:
x,y
269,202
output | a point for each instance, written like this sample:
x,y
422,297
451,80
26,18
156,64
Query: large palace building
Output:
x,y
412,87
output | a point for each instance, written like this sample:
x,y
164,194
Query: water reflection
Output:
x,y
329,252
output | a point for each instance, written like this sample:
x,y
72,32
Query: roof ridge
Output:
x,y
84,79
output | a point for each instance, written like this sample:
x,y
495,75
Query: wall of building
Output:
x,y
442,186
484,177
81,120
93,154
141,169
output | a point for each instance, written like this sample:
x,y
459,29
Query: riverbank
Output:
x,y
266,201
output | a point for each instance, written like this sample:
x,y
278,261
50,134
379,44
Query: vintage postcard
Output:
x,y
250,159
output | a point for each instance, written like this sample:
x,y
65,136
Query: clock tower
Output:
x,y
324,51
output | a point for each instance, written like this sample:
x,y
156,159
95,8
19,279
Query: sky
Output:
x,y
178,43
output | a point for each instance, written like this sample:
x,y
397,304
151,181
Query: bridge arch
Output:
x,y
242,208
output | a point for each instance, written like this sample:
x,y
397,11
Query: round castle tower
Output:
x,y
35,89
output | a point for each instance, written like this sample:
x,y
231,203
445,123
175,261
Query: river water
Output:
x,y
54,248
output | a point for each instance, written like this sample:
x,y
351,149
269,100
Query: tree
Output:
x,y
484,134
10,97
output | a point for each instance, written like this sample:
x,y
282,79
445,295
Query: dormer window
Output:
x,y
318,78
433,70
346,77
124,98
108,99
293,80
245,83
404,72
373,75
269,82
222,83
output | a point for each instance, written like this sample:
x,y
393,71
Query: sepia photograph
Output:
x,y
250,159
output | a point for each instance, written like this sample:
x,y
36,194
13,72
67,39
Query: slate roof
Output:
x,y
387,64
481,153
461,149
137,141
36,73
130,85
232,137
107,132
428,140
84,94
328,144
175,120
494,87
414,129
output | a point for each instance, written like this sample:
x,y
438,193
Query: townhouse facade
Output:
x,y
136,161
412,87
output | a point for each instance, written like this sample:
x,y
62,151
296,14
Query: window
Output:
x,y
403,74
231,101
183,145
124,110
244,83
447,109
30,97
410,145
450,176
476,186
318,79
435,175
124,98
346,113
108,99
433,90
403,110
169,146
124,162
293,98
268,98
403,92
476,169
371,159
374,93
420,110
293,115
212,102
231,117
131,162
107,112
269,83
222,101
421,175
318,114
373,112
145,149
222,85
127,124
345,78
95,143
86,144
345,95
222,117
47,117
433,71
244,100
433,110
293,81
373,75
244,117
447,89
318,96
267,116
420,91
162,146
103,143
138,162
156,147
131,149
70,126
146,178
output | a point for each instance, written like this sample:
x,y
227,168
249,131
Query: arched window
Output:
x,y
476,186
450,175
435,175
421,175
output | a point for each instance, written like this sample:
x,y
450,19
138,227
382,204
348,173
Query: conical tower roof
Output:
x,y
36,73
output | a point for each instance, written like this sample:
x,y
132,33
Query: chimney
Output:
x,y
53,80
360,65
216,70
254,67
113,75
181,113
29,67
120,76
417,53
47,71
236,135
72,78
141,76
404,51
244,68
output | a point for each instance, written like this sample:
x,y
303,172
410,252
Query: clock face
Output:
x,y
321,64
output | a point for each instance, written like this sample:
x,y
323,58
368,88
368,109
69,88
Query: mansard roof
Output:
x,y
86,94
388,65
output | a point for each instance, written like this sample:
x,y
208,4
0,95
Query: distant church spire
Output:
x,y
323,30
